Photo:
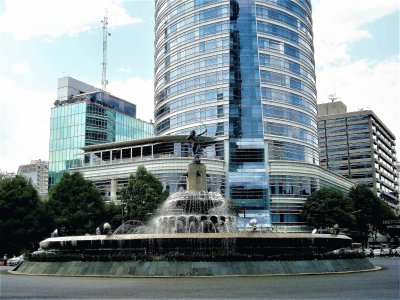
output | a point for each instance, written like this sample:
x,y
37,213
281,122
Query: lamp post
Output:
x,y
123,204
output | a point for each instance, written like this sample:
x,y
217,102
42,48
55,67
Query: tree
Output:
x,y
327,207
5,174
76,205
372,211
20,226
143,195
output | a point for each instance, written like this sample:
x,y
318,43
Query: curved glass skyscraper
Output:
x,y
245,69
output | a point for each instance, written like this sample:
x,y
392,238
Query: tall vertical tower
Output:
x,y
245,69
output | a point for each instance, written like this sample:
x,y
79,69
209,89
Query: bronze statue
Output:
x,y
196,148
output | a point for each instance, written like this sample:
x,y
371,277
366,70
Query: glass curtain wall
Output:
x,y
74,126
247,180
67,135
245,69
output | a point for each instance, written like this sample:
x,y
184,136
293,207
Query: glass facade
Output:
x,y
87,120
245,70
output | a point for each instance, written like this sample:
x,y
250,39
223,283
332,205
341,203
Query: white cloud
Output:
x,y
136,90
24,124
21,68
339,23
367,85
26,19
360,83
124,70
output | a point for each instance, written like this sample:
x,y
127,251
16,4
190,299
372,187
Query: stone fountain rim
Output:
x,y
238,235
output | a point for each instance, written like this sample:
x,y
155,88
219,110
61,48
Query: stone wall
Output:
x,y
175,268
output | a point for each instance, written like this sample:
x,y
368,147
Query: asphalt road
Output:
x,y
383,284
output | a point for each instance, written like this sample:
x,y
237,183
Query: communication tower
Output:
x,y
106,34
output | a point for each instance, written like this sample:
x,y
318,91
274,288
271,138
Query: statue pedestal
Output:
x,y
196,180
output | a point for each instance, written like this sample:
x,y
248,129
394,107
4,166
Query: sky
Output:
x,y
356,52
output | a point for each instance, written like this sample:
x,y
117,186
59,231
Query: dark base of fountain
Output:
x,y
202,254
192,268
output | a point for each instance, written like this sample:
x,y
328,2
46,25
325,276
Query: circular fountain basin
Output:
x,y
205,246
201,254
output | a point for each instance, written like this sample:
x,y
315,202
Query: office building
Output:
x,y
244,69
37,173
83,115
358,146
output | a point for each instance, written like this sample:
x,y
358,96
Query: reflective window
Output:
x,y
278,150
284,64
282,32
287,81
288,98
290,131
288,114
278,15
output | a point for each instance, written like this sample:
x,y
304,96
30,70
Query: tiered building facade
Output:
x,y
358,146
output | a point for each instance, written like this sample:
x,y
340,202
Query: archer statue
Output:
x,y
196,148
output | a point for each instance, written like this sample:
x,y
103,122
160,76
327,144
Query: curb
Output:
x,y
376,268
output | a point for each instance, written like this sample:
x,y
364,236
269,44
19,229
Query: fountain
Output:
x,y
193,233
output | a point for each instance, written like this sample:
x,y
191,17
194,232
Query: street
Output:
x,y
382,284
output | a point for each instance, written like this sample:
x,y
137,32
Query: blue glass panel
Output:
x,y
248,180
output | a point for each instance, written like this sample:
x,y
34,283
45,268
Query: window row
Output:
x,y
336,122
198,115
283,48
194,67
74,142
198,50
287,81
67,121
382,146
193,99
102,136
281,16
358,127
65,132
359,136
196,18
180,9
100,123
290,131
276,30
128,133
288,98
68,110
288,114
206,80
198,33
270,61
278,150
293,185
61,160
292,7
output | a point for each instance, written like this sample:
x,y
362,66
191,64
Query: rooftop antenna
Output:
x,y
333,96
106,34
